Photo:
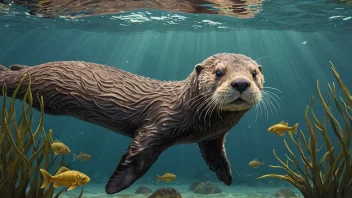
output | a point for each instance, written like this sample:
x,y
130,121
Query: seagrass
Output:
x,y
23,151
336,179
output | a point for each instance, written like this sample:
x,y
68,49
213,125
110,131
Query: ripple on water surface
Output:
x,y
177,15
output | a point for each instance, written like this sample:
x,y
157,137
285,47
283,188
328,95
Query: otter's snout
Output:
x,y
240,85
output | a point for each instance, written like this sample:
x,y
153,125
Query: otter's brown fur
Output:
x,y
156,114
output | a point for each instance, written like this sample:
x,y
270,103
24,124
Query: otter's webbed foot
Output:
x,y
141,154
214,154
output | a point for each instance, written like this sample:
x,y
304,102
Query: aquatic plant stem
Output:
x,y
22,151
336,180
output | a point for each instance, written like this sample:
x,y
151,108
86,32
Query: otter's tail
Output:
x,y
3,71
3,68
10,77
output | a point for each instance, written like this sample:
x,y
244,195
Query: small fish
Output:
x,y
167,177
256,163
59,148
81,156
65,177
283,127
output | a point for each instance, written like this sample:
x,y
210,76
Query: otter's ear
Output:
x,y
260,68
199,68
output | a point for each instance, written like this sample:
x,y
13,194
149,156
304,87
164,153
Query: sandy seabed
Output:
x,y
94,190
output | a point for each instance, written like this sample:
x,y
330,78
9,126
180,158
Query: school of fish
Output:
x,y
64,176
73,178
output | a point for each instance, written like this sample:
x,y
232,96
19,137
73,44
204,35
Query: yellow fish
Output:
x,y
283,127
166,177
255,163
59,148
81,156
65,177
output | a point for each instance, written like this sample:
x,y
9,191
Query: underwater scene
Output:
x,y
175,98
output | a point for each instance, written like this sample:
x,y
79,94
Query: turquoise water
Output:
x,y
294,47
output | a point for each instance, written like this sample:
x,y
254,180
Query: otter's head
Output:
x,y
233,82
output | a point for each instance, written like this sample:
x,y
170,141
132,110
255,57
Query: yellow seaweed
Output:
x,y
336,180
24,151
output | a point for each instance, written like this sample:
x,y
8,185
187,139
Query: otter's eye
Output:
x,y
254,74
218,73
83,178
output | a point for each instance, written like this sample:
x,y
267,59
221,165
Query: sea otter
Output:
x,y
156,114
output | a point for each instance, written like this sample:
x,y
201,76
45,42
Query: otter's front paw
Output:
x,y
214,154
224,175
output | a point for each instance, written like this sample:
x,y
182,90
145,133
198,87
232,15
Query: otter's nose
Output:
x,y
240,86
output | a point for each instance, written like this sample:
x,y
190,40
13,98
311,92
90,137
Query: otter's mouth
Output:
x,y
238,101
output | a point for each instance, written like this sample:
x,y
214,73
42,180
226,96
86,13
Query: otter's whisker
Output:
x,y
195,99
219,109
269,92
209,105
269,95
273,89
269,100
261,58
190,100
256,110
212,105
194,103
216,105
205,102
261,107
222,105
272,104
266,109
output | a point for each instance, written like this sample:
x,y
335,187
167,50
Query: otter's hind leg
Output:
x,y
140,156
213,152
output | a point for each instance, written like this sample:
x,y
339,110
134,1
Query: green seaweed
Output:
x,y
80,194
336,179
24,151
346,1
